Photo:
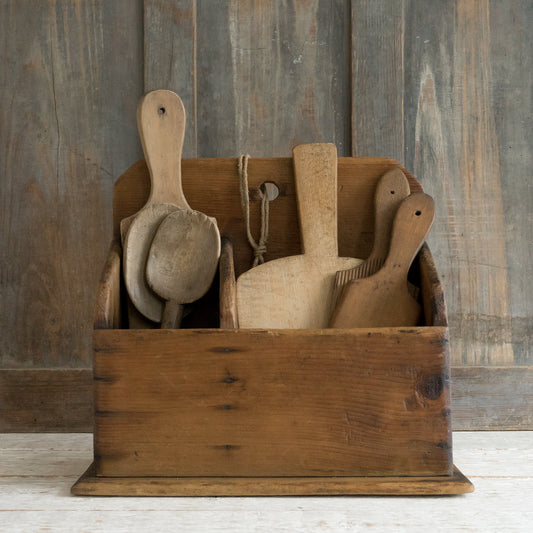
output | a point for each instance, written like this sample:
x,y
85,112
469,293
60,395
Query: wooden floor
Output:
x,y
37,471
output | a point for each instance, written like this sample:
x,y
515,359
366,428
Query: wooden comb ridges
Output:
x,y
391,189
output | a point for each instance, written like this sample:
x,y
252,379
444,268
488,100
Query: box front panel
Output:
x,y
272,403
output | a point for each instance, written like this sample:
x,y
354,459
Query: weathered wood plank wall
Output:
x,y
443,87
70,78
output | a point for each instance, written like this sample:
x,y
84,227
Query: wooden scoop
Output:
x,y
383,299
295,292
391,189
182,261
161,123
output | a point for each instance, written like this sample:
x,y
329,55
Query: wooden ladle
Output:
x,y
182,261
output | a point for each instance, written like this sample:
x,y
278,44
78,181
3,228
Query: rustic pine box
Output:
x,y
208,411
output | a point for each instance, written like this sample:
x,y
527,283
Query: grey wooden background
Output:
x,y
444,87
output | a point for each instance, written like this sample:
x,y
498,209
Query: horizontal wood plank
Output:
x,y
35,400
492,398
92,485
272,403
46,400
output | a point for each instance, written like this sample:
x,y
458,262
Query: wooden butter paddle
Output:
x,y
161,123
182,261
391,189
383,299
295,292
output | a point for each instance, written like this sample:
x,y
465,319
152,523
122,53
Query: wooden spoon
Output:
x,y
182,261
391,189
383,299
295,292
161,123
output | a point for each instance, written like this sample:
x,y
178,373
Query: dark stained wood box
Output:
x,y
209,411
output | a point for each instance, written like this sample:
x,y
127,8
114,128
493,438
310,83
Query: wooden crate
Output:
x,y
208,411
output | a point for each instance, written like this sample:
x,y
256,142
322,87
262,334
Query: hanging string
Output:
x,y
259,248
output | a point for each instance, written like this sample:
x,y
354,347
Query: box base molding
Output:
x,y
89,484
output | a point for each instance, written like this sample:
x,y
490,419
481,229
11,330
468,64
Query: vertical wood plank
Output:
x,y
170,57
68,83
377,78
511,52
450,123
271,75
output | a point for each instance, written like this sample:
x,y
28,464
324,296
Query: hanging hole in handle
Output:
x,y
270,189
161,111
392,192
418,213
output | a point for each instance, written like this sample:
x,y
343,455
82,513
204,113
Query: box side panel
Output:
x,y
107,311
272,403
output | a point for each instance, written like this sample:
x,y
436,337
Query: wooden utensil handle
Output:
x,y
161,124
391,189
172,315
228,288
412,222
315,175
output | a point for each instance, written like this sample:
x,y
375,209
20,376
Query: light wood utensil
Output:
x,y
383,299
295,292
227,288
391,189
182,261
161,123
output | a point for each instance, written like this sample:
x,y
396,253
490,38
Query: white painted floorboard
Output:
x,y
37,471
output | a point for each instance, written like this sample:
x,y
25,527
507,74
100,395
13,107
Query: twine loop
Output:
x,y
259,247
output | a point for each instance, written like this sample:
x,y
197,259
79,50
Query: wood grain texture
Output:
x,y
227,289
89,484
108,308
46,400
450,117
245,403
271,75
58,400
511,59
170,57
377,78
446,91
69,81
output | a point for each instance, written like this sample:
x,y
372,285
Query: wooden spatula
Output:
x,y
383,299
391,189
295,292
161,123
182,261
